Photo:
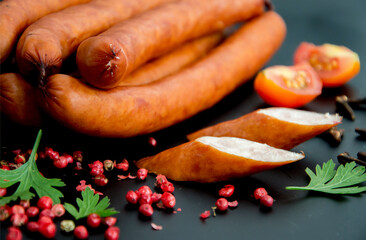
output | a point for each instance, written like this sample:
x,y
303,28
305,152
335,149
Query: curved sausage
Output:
x,y
173,61
212,159
18,100
108,58
46,43
282,128
131,111
16,15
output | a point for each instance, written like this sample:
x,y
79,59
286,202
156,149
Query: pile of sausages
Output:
x,y
141,65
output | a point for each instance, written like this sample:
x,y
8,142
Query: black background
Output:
x,y
295,214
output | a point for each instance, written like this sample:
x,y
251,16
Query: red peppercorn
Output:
x,y
95,171
144,190
14,233
61,162
145,198
17,209
19,219
45,202
233,204
226,191
205,214
112,233
132,197
168,200
123,165
20,158
54,155
3,167
5,212
142,173
93,220
259,193
44,220
100,180
32,211
222,204
160,180
146,210
109,221
33,226
266,201
155,197
167,187
58,210
152,141
96,164
47,230
48,213
78,156
24,203
68,157
80,232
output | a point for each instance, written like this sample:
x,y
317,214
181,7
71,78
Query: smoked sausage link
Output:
x,y
106,59
130,111
46,43
173,61
16,15
18,100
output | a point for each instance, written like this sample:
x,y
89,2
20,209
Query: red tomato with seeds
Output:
x,y
334,64
288,86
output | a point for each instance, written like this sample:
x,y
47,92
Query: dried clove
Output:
x,y
361,132
343,107
344,158
334,136
361,156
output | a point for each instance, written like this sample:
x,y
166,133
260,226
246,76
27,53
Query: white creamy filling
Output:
x,y
249,149
300,116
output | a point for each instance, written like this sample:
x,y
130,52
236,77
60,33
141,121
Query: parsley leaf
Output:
x,y
340,181
90,204
28,176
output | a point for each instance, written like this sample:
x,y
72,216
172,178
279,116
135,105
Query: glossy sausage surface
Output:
x,y
18,100
108,58
16,15
47,42
131,111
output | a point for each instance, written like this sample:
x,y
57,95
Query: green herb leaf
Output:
x,y
28,177
90,204
340,181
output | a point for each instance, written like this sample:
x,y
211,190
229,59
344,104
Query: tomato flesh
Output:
x,y
288,86
334,64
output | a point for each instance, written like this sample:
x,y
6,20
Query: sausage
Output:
x,y
173,61
17,96
18,100
106,59
137,110
16,15
212,159
46,43
282,128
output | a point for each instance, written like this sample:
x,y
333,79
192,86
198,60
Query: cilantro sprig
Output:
x,y
90,204
340,181
29,177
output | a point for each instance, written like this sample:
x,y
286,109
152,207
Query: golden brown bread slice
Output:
x,y
213,159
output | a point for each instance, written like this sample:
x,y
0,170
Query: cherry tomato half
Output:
x,y
288,86
334,64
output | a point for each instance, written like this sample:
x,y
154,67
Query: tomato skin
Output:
x,y
337,64
271,87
